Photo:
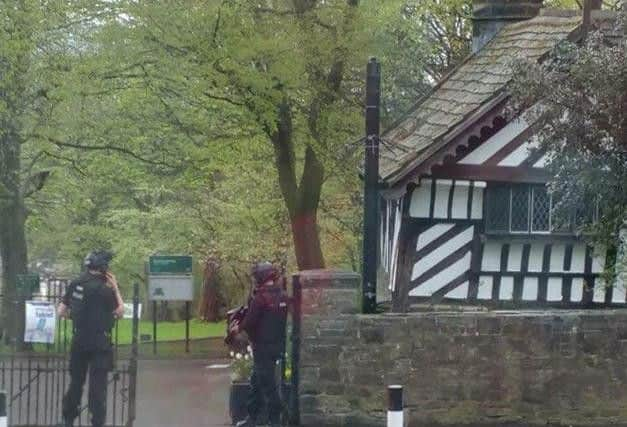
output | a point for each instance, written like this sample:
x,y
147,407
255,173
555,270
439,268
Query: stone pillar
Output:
x,y
330,300
330,292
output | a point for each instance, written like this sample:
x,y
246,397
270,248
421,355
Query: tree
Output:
x,y
42,46
583,126
22,94
167,143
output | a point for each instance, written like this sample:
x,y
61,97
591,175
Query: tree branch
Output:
x,y
106,147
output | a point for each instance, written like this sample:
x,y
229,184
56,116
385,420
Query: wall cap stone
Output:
x,y
501,314
337,279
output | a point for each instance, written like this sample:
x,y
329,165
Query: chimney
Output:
x,y
489,16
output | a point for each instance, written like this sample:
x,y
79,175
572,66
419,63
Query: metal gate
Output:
x,y
36,379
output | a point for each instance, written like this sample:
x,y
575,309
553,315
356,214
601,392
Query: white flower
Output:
x,y
238,356
232,354
250,349
246,357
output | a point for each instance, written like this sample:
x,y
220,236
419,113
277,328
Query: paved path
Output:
x,y
182,394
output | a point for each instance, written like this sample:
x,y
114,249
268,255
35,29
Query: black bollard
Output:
x,y
3,409
395,406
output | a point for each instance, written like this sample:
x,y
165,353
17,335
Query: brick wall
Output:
x,y
510,368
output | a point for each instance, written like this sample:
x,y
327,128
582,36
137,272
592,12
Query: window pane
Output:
x,y
520,208
497,215
541,209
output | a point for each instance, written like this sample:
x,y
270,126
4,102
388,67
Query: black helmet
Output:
x,y
264,272
98,260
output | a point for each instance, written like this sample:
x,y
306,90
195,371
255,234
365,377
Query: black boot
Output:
x,y
248,422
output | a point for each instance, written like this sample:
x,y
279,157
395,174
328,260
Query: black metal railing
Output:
x,y
35,377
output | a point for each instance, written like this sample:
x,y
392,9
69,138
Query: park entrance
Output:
x,y
34,377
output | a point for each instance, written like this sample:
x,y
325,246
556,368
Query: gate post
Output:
x,y
325,302
297,298
132,386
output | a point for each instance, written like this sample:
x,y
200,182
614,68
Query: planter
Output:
x,y
238,401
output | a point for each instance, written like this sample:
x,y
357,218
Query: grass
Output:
x,y
170,331
167,332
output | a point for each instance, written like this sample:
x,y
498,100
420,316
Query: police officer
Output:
x,y
92,301
265,325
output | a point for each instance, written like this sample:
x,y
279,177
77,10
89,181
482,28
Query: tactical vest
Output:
x,y
92,305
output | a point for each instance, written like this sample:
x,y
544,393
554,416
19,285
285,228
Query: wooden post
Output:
x,y
371,187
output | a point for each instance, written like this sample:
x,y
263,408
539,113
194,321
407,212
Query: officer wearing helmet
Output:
x,y
265,325
92,301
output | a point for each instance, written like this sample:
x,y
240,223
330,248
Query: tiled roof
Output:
x,y
478,80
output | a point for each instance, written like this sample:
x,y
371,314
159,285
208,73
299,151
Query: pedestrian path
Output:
x,y
183,393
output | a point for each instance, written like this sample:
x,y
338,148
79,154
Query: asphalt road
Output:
x,y
182,394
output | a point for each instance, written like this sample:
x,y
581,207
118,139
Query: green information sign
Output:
x,y
162,265
27,284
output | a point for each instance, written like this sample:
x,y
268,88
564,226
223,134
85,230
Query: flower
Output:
x,y
241,366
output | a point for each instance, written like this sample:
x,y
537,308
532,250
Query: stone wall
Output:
x,y
490,368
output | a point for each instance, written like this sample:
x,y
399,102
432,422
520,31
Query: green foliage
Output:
x,y
157,119
583,126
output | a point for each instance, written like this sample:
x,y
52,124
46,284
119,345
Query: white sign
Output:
x,y
128,310
41,322
171,288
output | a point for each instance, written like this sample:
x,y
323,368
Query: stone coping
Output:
x,y
500,313
328,273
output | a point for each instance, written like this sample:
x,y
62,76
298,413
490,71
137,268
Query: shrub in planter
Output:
x,y
241,366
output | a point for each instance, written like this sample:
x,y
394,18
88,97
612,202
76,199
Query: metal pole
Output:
x,y
371,183
154,327
187,310
395,406
132,386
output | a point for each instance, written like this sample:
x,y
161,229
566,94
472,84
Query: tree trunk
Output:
x,y
307,241
13,249
301,200
210,303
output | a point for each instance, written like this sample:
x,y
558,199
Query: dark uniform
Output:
x,y
91,302
265,325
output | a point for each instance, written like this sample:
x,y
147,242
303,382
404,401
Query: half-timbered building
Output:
x,y
466,215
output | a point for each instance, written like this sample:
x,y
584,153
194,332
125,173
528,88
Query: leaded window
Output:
x,y
541,210
520,209
498,208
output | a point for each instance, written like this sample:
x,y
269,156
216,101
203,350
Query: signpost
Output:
x,y
170,279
